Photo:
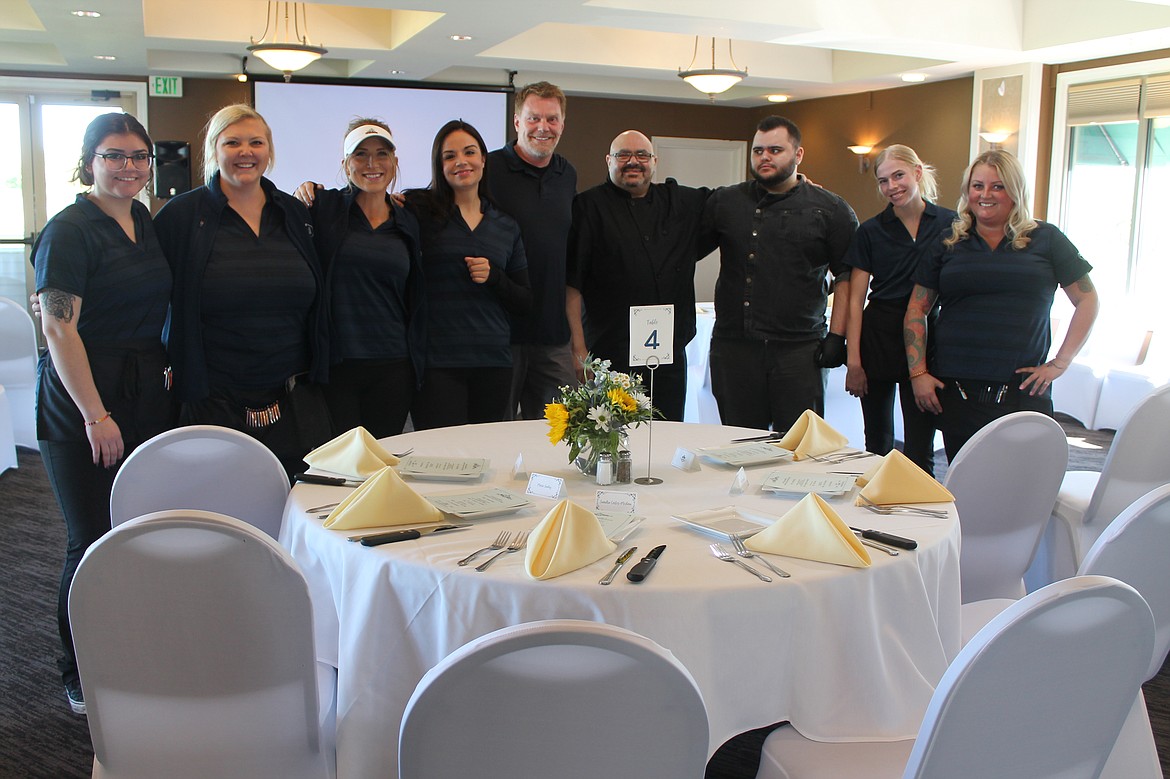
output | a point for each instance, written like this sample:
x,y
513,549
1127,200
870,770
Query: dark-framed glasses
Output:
x,y
116,160
624,156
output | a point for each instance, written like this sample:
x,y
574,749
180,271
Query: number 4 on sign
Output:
x,y
651,335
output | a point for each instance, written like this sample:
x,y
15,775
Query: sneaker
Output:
x,y
76,699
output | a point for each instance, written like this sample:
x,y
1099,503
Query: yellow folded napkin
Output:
x,y
385,499
568,538
811,530
899,480
866,477
356,454
811,436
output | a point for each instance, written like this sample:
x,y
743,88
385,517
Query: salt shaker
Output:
x,y
625,467
605,468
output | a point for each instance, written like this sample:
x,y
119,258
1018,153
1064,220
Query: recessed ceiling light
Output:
x,y
397,72
777,98
914,78
105,57
460,37
86,14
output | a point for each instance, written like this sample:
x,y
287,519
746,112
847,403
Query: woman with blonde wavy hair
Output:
x,y
884,254
994,277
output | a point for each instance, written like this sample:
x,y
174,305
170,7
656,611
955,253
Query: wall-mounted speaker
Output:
x,y
172,168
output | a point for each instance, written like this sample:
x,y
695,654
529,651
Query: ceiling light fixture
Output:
x,y
460,37
105,57
86,14
712,81
286,52
777,98
914,78
242,76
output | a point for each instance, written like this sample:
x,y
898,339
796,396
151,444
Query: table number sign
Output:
x,y
543,486
651,335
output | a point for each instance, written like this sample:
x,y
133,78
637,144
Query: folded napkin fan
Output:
x,y
385,499
356,454
569,537
899,480
811,436
811,530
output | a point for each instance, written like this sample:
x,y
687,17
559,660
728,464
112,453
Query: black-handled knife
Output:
x,y
406,535
887,538
644,566
331,481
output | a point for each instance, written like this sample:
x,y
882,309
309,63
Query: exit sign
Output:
x,y
165,86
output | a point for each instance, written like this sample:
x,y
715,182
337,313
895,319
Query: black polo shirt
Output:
x,y
884,249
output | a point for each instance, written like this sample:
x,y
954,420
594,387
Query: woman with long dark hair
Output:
x,y
104,287
476,274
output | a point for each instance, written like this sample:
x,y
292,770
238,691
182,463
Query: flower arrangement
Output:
x,y
594,416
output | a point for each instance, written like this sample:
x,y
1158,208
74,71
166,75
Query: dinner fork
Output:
x,y
879,508
500,542
743,551
726,556
516,545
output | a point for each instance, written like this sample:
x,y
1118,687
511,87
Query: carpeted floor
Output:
x,y
41,739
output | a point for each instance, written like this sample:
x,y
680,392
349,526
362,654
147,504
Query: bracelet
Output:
x,y
1057,365
99,420
919,372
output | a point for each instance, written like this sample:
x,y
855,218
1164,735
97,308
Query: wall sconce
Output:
x,y
862,153
995,138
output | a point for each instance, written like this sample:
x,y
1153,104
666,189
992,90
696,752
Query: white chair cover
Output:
x,y
565,698
1040,693
7,441
194,640
202,467
1005,480
1138,461
18,369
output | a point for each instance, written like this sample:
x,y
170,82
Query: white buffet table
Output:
x,y
842,653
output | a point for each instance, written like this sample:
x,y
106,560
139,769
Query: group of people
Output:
x,y
475,299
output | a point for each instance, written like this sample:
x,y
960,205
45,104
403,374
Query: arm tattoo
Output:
x,y
58,304
1084,285
914,332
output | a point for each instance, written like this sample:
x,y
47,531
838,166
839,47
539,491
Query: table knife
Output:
x,y
773,436
617,566
407,535
331,481
887,538
645,565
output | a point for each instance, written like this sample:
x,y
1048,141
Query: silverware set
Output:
x,y
516,545
843,457
728,557
886,510
743,551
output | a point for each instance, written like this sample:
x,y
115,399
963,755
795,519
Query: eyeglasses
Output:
x,y
625,156
116,160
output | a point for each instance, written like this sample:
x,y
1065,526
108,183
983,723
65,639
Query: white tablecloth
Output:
x,y
842,653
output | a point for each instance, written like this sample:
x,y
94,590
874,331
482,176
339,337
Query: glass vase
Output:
x,y
592,447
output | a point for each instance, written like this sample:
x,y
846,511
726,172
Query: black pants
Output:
x,y
963,417
83,493
762,384
375,394
461,396
877,407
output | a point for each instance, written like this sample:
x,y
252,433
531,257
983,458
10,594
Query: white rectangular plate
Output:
x,y
479,504
751,453
728,521
442,468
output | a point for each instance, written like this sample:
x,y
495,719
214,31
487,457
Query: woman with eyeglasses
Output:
x,y
369,245
103,286
248,337
476,275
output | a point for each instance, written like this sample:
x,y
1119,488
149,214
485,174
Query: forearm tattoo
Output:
x,y
914,333
57,304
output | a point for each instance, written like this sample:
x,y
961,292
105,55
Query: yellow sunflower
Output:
x,y
558,421
622,399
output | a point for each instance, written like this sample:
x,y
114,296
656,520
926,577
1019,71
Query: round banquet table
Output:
x,y
842,653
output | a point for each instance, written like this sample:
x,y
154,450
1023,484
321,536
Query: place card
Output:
x,y
544,486
739,483
685,460
616,502
799,483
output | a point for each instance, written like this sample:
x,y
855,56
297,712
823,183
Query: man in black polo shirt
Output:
x,y
779,238
535,186
634,243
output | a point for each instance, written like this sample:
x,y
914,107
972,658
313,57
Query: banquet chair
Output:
x,y
1005,480
564,698
1015,703
202,467
194,640
18,369
1133,550
1138,461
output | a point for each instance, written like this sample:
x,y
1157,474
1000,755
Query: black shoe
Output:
x,y
76,699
